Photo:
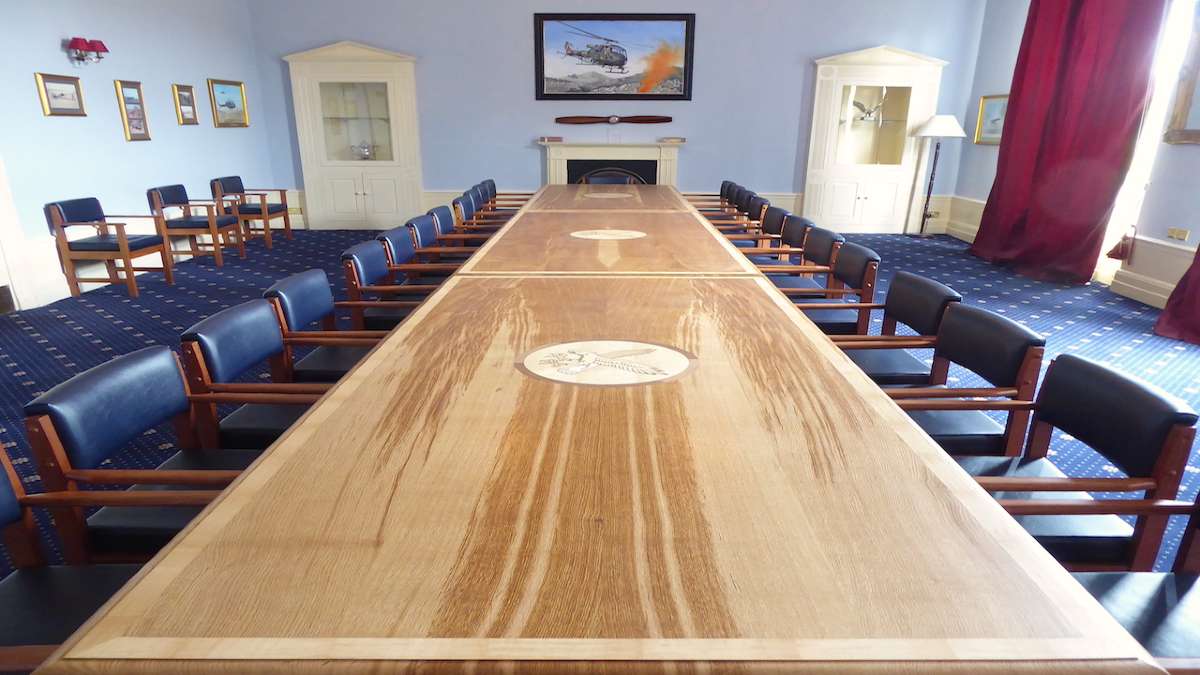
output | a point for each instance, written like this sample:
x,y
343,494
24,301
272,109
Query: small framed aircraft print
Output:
x,y
606,57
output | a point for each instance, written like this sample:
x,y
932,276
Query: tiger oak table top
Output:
x,y
626,473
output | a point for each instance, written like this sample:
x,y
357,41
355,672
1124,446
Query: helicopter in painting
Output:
x,y
609,55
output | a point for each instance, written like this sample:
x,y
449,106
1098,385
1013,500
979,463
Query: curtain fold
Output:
x,y
1080,87
1180,319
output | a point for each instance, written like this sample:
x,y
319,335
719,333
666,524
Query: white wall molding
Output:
x,y
963,217
1151,274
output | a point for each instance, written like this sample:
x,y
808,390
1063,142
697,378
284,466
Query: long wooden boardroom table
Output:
x,y
606,445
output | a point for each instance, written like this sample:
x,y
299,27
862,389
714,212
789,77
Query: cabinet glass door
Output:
x,y
357,122
872,124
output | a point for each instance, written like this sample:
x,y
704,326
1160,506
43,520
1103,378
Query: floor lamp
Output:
x,y
938,127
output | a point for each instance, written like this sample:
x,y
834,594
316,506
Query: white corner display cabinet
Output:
x,y
356,124
863,162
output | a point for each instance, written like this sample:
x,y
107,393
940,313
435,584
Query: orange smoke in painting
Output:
x,y
660,64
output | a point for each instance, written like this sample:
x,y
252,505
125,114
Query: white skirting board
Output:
x,y
1151,274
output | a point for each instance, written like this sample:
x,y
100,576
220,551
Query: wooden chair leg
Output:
x,y
168,263
193,247
72,278
266,223
111,266
241,242
130,278
216,242
287,224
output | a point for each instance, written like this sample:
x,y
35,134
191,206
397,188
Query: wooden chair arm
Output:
x,y
794,269
269,387
125,215
360,334
336,341
282,399
421,267
946,392
830,305
1048,484
465,236
750,237
1084,507
822,292
957,404
85,498
440,250
769,250
397,289
352,304
153,476
917,343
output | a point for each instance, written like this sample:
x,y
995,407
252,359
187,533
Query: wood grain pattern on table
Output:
x,y
460,503
607,198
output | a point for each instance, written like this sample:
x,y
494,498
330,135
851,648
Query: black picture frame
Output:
x,y
539,20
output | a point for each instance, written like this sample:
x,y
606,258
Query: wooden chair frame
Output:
x,y
356,291
197,247
329,336
238,199
476,224
68,257
864,304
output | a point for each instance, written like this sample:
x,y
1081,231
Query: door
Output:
x,y
381,201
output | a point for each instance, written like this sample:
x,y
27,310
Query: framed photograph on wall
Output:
x,y
60,95
185,104
228,99
133,110
990,125
607,57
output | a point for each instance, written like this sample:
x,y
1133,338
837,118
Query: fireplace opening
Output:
x,y
643,171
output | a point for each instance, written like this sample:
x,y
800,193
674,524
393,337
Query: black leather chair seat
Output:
x,y
1162,611
1070,539
144,530
253,208
890,366
794,280
328,364
258,425
201,221
384,318
831,321
962,432
108,242
45,605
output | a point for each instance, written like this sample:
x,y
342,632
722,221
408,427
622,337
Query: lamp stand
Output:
x,y
925,214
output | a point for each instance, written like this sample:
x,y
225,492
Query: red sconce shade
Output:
x,y
94,46
79,43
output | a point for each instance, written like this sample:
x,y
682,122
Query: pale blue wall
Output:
x,y
157,43
999,42
749,118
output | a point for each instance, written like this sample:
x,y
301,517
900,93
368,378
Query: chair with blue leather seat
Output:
x,y
718,197
916,302
302,300
111,243
1159,609
731,196
228,346
221,228
487,201
608,177
431,245
466,219
44,604
1141,430
406,266
78,426
510,196
1001,351
768,235
786,249
820,252
369,279
443,220
853,274
755,208
252,205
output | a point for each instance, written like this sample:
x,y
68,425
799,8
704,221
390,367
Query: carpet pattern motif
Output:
x,y
42,347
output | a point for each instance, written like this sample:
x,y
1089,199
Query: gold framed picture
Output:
x,y
133,110
60,95
228,99
185,104
990,125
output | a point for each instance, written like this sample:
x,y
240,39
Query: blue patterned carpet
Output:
x,y
42,347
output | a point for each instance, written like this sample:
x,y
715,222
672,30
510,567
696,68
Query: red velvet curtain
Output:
x,y
1078,93
1181,317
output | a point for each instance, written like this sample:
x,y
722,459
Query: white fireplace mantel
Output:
x,y
557,154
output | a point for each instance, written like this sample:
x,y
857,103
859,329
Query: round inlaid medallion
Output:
x,y
606,235
608,195
601,363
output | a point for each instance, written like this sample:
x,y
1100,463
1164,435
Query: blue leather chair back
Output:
x,y
795,230
477,195
774,219
727,188
228,185
1122,418
169,195
99,411
369,261
756,205
917,302
399,243
987,344
85,210
852,264
464,205
609,178
424,230
10,508
820,244
489,187
305,298
443,218
238,338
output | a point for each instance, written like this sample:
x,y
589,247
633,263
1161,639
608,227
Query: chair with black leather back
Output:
x,y
228,346
467,219
786,249
749,219
718,197
609,178
833,309
433,245
1001,351
818,255
443,220
302,300
768,235
916,302
1160,609
514,196
78,426
1141,430
493,202
44,604
252,205
731,196
104,246
222,229
370,277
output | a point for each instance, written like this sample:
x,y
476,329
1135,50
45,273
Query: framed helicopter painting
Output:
x,y
606,57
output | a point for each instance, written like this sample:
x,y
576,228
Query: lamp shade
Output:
x,y
97,46
941,126
78,43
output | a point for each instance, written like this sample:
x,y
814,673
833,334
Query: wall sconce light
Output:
x,y
82,50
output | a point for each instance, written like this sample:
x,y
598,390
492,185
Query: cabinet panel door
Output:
x,y
879,204
382,201
841,200
344,201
